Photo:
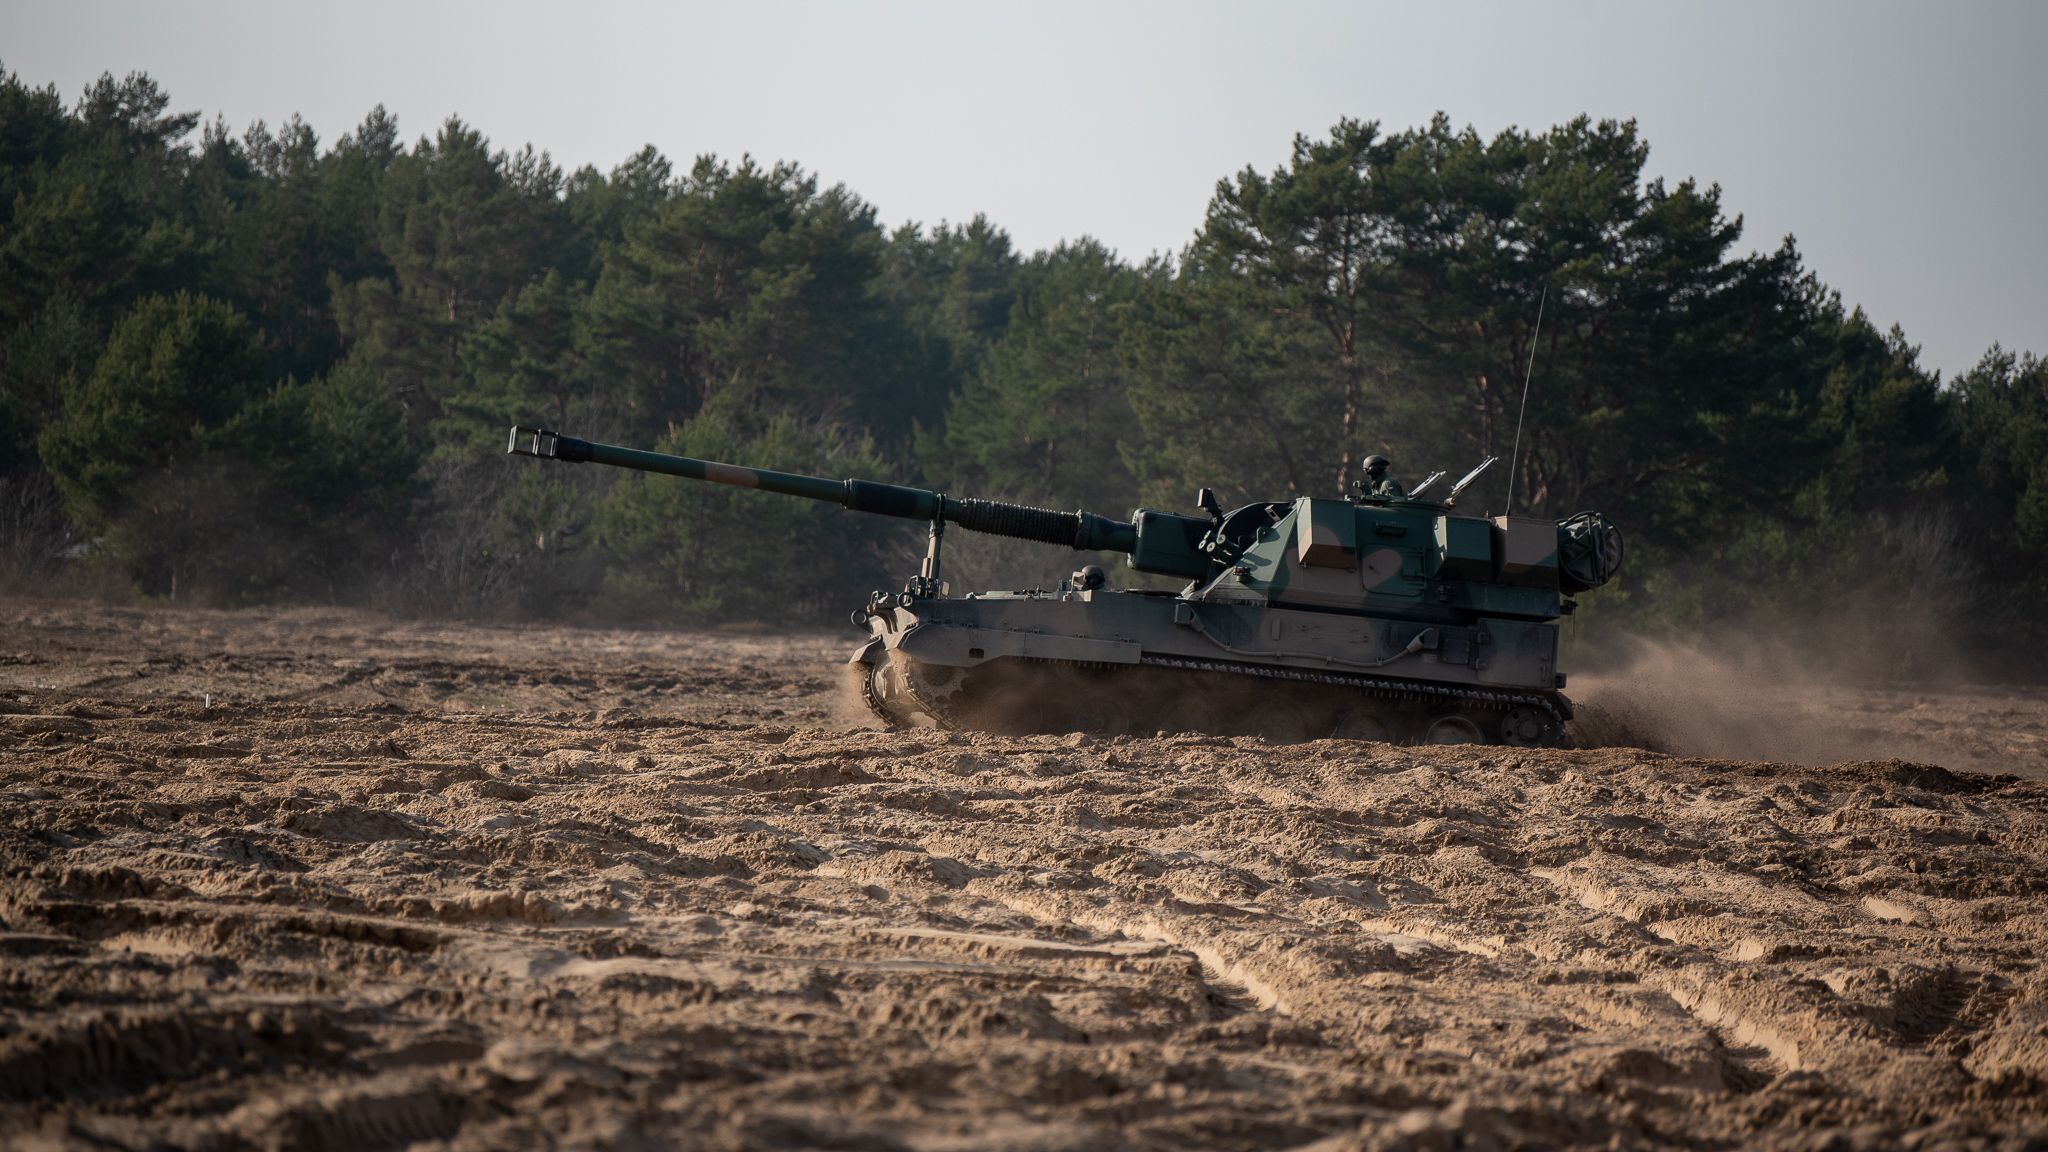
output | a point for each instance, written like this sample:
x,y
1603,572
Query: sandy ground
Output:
x,y
313,880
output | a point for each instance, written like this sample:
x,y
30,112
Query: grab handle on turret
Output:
x,y
1416,492
1465,483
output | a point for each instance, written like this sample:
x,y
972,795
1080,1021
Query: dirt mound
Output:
x,y
329,911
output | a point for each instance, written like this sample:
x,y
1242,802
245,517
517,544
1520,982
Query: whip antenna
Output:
x,y
1515,456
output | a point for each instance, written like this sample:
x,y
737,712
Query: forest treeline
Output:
x,y
260,368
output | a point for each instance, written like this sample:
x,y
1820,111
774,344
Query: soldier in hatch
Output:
x,y
1377,484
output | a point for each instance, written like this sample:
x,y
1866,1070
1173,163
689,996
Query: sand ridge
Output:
x,y
357,915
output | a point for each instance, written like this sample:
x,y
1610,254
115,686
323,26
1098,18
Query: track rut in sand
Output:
x,y
370,921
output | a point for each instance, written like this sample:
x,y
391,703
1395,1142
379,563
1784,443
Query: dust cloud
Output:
x,y
1766,700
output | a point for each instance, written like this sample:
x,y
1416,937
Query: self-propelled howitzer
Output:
x,y
1376,617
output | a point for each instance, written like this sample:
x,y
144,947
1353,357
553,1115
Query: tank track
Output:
x,y
871,696
1378,687
934,691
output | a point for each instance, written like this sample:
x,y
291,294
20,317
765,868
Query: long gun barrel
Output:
x,y
1082,530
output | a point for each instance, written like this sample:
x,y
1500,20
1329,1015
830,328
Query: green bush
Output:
x,y
200,480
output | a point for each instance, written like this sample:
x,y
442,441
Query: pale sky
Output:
x,y
1906,145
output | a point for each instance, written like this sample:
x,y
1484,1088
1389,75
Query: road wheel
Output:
x,y
1453,729
1091,708
1528,728
1278,721
1363,724
1190,712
